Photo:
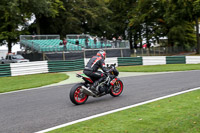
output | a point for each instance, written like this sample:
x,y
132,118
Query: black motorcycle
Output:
x,y
111,85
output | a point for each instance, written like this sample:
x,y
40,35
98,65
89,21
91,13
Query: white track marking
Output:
x,y
116,110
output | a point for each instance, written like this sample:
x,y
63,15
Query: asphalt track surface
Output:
x,y
35,110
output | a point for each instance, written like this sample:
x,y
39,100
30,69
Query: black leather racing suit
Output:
x,y
91,69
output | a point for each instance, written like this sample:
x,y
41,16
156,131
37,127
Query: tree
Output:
x,y
41,8
158,20
15,14
121,17
196,9
10,21
145,21
178,22
78,16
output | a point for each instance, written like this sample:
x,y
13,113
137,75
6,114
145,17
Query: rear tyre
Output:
x,y
76,96
117,88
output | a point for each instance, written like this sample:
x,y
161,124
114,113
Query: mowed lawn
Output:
x,y
159,68
29,81
178,114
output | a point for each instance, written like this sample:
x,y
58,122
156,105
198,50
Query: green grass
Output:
x,y
29,81
159,68
178,114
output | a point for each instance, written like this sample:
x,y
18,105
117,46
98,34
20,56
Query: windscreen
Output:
x,y
18,57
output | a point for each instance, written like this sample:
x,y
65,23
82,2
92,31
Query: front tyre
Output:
x,y
117,88
76,95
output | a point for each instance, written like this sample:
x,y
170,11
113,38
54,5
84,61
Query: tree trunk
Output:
x,y
197,34
9,47
130,40
135,41
140,36
147,39
38,25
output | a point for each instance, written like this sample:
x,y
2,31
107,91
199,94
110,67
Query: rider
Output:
x,y
91,69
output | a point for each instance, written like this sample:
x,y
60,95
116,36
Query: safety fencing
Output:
x,y
175,60
29,68
5,70
129,61
15,69
63,66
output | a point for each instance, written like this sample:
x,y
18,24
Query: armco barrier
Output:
x,y
29,68
5,70
154,60
192,59
129,61
15,69
63,66
175,60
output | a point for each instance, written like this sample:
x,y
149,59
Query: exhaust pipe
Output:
x,y
88,92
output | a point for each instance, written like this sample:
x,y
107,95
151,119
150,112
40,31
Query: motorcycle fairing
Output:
x,y
113,81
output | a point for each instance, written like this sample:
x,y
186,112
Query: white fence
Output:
x,y
29,68
154,60
192,59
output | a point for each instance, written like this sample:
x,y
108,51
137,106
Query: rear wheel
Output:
x,y
77,96
117,88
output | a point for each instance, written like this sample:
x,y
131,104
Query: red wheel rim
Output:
x,y
119,91
77,96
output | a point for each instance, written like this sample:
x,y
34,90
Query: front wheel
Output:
x,y
117,88
77,96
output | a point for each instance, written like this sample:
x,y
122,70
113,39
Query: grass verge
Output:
x,y
29,81
159,68
176,114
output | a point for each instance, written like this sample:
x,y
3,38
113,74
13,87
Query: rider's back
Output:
x,y
94,63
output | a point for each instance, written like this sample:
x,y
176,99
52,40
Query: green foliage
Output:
x,y
196,9
173,19
10,19
15,13
135,20
79,16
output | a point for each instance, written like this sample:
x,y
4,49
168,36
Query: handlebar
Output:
x,y
111,65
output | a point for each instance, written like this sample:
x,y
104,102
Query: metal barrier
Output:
x,y
192,59
15,69
154,60
175,60
29,68
5,70
129,61
63,66
38,37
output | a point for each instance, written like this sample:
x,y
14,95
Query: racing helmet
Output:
x,y
102,54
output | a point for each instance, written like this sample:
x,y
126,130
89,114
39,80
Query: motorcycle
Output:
x,y
112,85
